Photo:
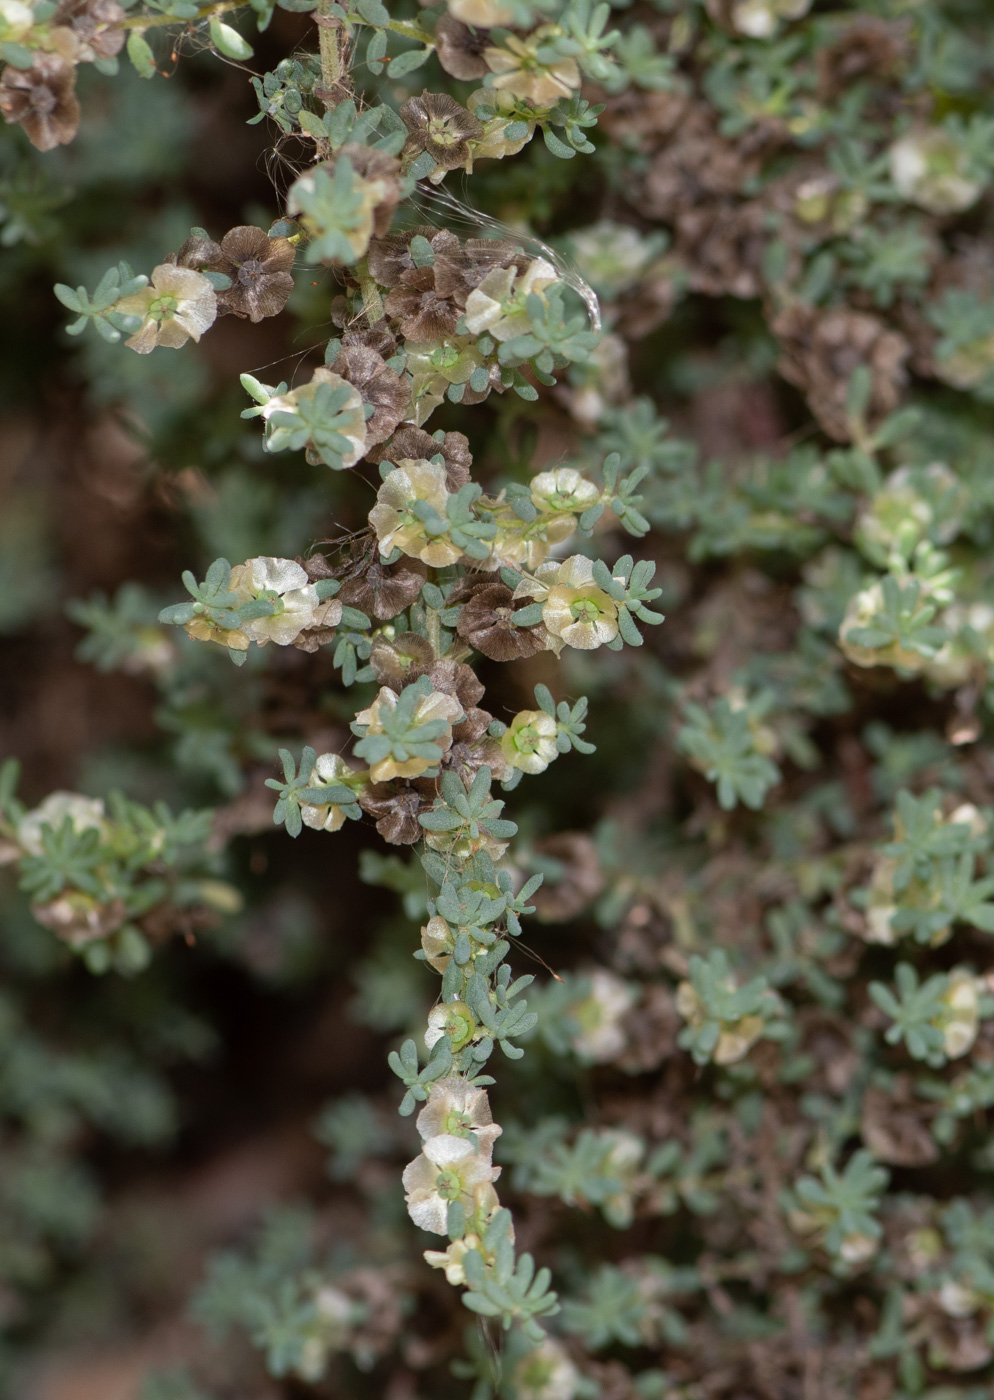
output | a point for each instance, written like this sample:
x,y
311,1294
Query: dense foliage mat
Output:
x,y
524,661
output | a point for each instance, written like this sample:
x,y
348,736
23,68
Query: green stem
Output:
x,y
405,27
433,624
330,46
372,302
158,21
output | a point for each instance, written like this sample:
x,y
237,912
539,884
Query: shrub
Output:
x,y
583,314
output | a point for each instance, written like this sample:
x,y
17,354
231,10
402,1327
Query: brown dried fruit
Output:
x,y
696,167
453,678
415,444
722,248
396,811
42,99
425,317
436,123
316,566
472,748
402,659
379,338
695,182
638,120
383,388
389,258
820,350
459,269
259,268
487,623
94,25
378,166
384,590
460,49
314,638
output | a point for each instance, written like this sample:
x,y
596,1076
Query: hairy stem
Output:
x,y
372,302
333,70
